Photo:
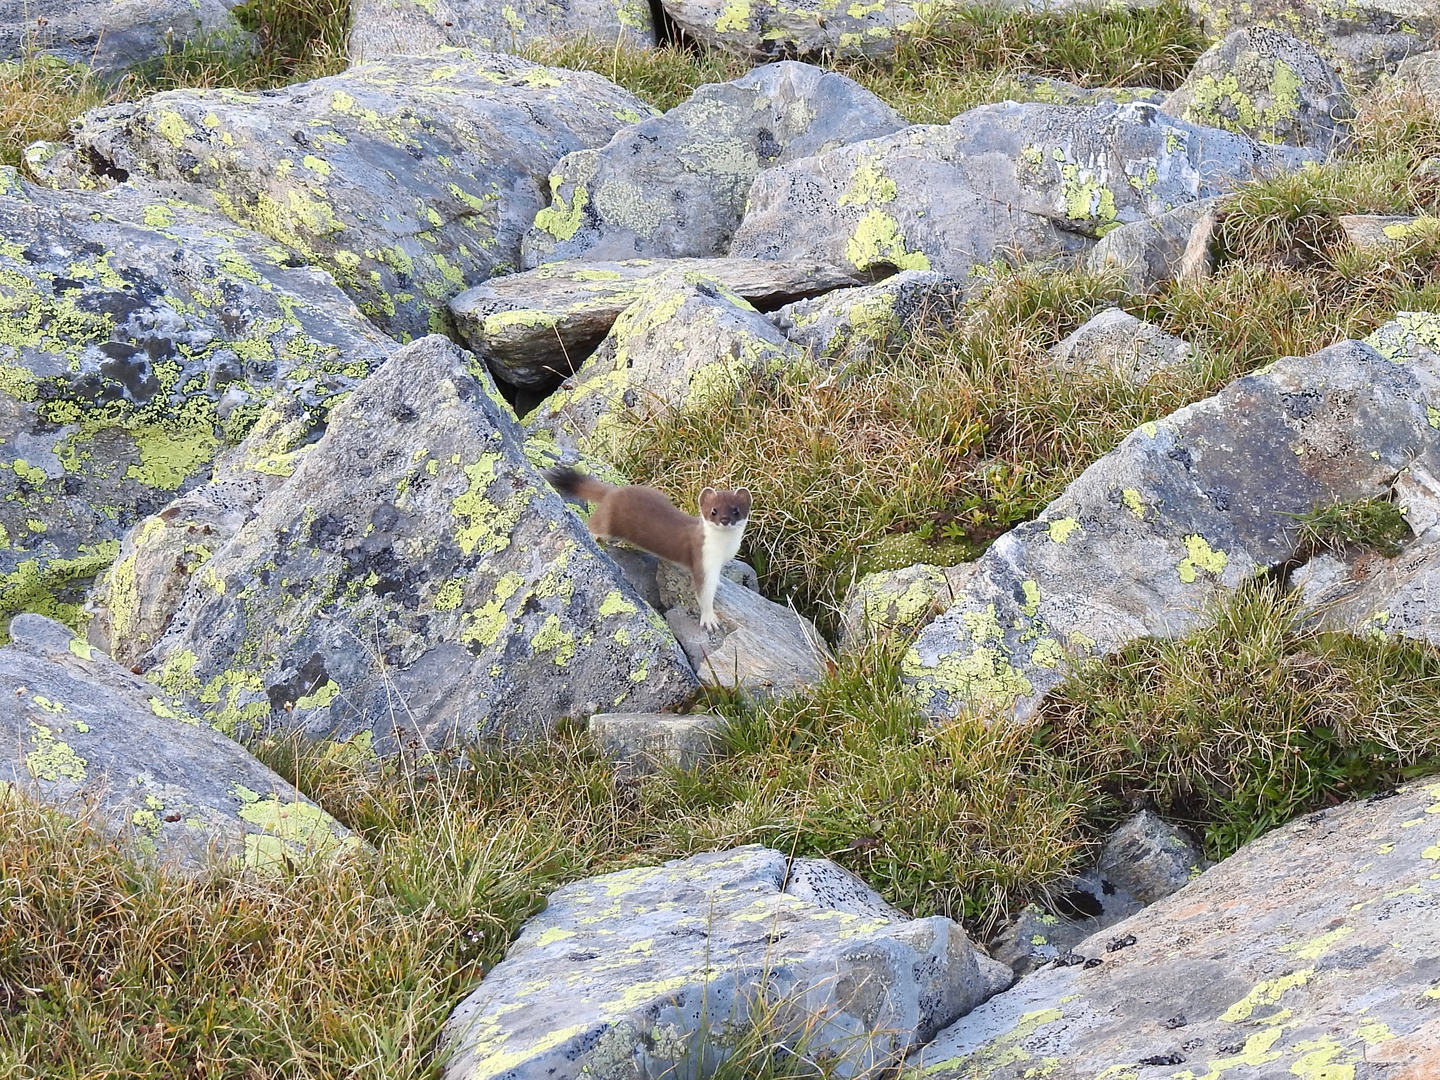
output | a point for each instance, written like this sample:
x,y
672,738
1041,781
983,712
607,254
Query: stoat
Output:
x,y
646,518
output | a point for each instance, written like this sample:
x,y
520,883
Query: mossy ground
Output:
x,y
108,968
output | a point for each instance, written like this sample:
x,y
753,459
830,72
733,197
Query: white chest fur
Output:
x,y
720,545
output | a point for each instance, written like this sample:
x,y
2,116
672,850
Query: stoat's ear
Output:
x,y
706,493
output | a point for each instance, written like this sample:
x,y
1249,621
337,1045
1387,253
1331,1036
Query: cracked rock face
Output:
x,y
406,179
85,736
415,580
661,967
1310,952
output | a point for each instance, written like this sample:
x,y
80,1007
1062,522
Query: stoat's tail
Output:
x,y
569,481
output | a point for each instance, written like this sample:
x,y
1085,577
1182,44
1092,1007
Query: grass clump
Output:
x,y
1369,524
39,95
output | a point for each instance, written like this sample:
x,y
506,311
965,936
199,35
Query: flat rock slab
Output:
x,y
1183,509
533,326
1388,230
415,579
1310,952
657,968
407,179
674,186
85,736
383,28
1009,181
138,338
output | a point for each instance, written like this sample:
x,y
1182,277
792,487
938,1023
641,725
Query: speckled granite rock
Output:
x,y
1049,931
1310,953
1388,230
1149,858
1420,74
1269,85
1181,510
658,968
531,327
381,28
1005,181
139,338
1116,341
85,736
864,323
1150,253
642,743
674,186
416,579
407,179
897,603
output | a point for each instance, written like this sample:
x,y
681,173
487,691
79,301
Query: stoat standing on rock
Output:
x,y
644,517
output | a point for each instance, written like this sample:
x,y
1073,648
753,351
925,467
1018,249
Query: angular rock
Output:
x,y
1077,908
1007,182
674,186
661,968
383,28
1149,858
685,345
1117,341
1310,952
529,327
109,38
1182,510
138,338
644,743
417,579
407,179
1149,253
897,603
865,323
86,736
805,28
1419,75
1388,230
1270,86
832,887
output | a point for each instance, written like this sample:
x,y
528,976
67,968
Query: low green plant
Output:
x,y
1369,524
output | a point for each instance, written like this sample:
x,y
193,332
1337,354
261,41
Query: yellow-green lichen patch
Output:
x,y
1061,529
983,677
616,604
293,828
50,758
877,241
1200,556
1265,993
554,638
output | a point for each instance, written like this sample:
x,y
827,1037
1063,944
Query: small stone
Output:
x,y
1117,341
644,743
1149,858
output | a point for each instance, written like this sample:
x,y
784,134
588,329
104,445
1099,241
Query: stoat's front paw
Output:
x,y
709,622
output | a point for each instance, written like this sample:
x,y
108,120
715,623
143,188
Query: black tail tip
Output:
x,y
565,479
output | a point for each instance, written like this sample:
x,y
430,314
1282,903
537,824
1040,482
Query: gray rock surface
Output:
x,y
139,338
865,323
1149,858
1269,85
417,579
657,968
830,886
1150,253
688,343
407,179
530,326
1117,341
87,737
1182,510
642,743
111,36
674,186
1059,92
1308,953
1077,907
897,603
1008,182
1388,230
1420,75
383,28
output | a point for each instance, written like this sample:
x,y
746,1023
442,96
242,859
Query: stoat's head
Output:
x,y
727,509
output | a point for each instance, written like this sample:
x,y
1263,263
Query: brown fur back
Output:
x,y
640,515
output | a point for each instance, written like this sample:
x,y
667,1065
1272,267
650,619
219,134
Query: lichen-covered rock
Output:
x,y
1180,511
1149,858
84,735
771,29
1000,182
863,324
109,37
1308,953
529,327
644,743
1363,37
674,186
1150,253
1419,75
897,603
408,179
138,337
1077,907
415,581
687,344
1117,341
661,968
1389,230
382,28
1269,85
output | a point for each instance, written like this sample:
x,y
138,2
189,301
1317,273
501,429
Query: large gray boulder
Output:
x,y
1269,85
1308,953
1182,510
661,968
865,323
674,186
112,36
415,579
140,338
1008,181
86,736
382,28
809,28
407,179
1151,253
532,326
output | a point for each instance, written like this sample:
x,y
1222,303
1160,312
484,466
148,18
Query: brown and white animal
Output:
x,y
644,517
